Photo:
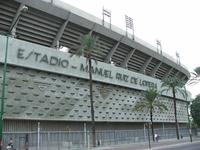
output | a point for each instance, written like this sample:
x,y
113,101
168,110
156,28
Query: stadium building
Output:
x,y
46,85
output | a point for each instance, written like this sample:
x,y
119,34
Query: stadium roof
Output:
x,y
47,22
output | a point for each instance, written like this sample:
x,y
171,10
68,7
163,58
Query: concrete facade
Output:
x,y
40,88
49,86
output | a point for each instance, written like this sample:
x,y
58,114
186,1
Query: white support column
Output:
x,y
143,68
153,73
128,57
85,133
88,139
38,142
163,125
112,51
144,133
60,31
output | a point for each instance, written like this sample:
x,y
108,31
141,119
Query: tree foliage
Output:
x,y
195,76
88,45
195,110
150,102
175,85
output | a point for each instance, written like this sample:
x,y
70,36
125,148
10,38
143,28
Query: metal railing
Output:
x,y
62,140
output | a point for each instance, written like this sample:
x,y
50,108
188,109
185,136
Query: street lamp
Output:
x,y
129,24
108,14
159,46
22,8
178,58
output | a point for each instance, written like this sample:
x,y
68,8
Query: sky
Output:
x,y
175,23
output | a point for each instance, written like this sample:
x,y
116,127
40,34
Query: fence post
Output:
x,y
85,134
163,130
38,141
58,140
48,139
144,133
88,139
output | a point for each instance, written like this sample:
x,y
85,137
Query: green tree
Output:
x,y
149,103
195,110
88,46
174,85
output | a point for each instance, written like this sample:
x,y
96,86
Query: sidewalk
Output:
x,y
145,145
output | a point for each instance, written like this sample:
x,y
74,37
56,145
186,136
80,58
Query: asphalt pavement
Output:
x,y
167,144
183,146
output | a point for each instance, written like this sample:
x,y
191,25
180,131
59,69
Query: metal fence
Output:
x,y
62,140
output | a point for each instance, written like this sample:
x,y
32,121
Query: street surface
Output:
x,y
171,144
183,146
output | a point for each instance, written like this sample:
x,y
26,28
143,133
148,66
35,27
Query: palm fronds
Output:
x,y
175,83
149,102
195,77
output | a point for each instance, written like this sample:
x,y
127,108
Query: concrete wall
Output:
x,y
44,84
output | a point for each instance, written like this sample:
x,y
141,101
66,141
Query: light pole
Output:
x,y
159,46
3,93
129,24
3,97
178,58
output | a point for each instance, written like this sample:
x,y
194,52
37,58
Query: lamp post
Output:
x,y
129,24
178,58
3,97
3,93
159,46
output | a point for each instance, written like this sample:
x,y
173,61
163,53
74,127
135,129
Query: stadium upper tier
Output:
x,y
47,22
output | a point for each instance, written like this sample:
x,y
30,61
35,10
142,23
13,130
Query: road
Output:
x,y
183,146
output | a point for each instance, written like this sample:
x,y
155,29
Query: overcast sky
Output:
x,y
176,23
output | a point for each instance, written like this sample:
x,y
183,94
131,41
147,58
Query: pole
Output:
x,y
126,31
144,133
3,93
38,142
149,136
85,133
23,9
103,20
110,21
163,129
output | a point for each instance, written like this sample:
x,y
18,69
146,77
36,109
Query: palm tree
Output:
x,y
150,102
188,115
88,43
174,84
195,76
